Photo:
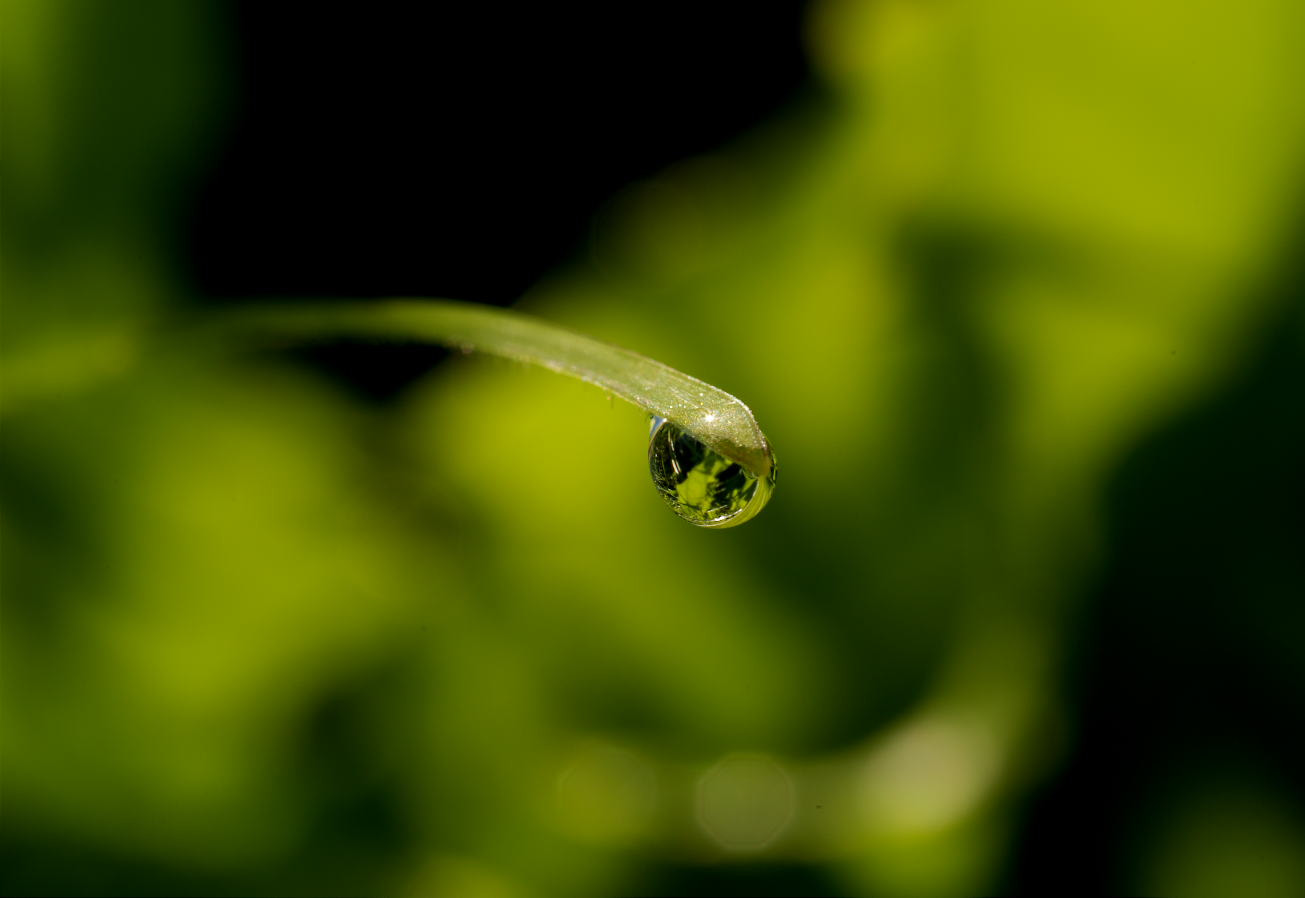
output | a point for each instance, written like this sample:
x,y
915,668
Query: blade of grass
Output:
x,y
714,417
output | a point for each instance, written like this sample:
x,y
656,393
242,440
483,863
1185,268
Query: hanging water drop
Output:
x,y
701,485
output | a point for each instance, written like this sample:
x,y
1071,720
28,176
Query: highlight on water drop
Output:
x,y
701,485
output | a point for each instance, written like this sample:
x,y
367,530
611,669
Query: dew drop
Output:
x,y
701,485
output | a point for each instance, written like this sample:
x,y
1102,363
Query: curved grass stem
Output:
x,y
714,417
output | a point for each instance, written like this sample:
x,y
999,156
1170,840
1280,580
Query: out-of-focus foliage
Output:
x,y
257,639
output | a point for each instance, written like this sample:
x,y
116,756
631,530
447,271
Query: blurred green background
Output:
x,y
1015,289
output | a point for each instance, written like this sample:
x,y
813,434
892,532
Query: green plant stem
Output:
x,y
714,417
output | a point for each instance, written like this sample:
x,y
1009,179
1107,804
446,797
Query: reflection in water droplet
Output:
x,y
701,485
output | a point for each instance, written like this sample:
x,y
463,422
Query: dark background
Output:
x,y
461,150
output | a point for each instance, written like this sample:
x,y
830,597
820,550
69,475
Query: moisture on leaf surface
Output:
x,y
701,485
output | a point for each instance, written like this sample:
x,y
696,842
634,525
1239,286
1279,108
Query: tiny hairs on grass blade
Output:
x,y
707,455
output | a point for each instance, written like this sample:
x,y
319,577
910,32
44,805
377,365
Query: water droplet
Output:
x,y
701,485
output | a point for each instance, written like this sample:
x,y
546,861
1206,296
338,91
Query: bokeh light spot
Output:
x,y
745,802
